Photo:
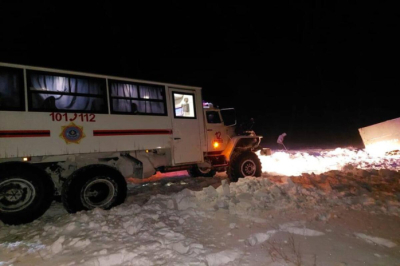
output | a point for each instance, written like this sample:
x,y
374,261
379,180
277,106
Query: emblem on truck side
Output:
x,y
72,133
218,137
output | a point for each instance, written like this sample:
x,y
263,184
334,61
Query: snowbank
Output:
x,y
214,226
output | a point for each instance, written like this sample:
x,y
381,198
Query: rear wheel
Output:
x,y
244,164
196,171
26,193
94,186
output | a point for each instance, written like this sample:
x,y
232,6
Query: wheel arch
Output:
x,y
104,168
96,166
241,144
8,165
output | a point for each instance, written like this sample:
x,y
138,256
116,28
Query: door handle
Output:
x,y
176,138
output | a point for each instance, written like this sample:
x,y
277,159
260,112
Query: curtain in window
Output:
x,y
150,107
123,105
151,92
11,93
126,91
138,106
144,94
73,86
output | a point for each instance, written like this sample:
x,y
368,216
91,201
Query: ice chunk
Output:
x,y
56,247
82,243
70,226
292,224
376,240
303,231
171,204
187,202
103,252
223,257
259,238
298,228
224,189
134,228
180,247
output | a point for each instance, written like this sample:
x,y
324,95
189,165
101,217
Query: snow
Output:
x,y
340,207
320,161
376,240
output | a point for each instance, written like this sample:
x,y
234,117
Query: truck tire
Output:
x,y
196,171
244,164
26,193
93,186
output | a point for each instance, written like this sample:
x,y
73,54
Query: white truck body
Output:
x,y
28,133
80,135
382,137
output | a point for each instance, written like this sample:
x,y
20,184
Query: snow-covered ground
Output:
x,y
310,207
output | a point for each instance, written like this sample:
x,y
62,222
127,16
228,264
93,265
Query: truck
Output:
x,y
382,138
79,136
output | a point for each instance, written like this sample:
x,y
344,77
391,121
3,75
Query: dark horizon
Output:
x,y
316,71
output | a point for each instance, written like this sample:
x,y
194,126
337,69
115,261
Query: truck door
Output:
x,y
186,127
217,137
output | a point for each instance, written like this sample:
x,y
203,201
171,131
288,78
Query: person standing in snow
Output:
x,y
280,140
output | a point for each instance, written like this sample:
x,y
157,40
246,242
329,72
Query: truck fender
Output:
x,y
241,143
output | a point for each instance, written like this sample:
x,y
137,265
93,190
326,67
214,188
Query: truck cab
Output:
x,y
223,145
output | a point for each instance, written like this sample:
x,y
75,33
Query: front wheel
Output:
x,y
26,193
95,186
244,164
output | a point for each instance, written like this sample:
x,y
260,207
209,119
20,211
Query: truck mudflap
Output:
x,y
382,138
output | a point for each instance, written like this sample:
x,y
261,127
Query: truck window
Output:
x,y
11,89
135,98
229,116
184,105
213,117
66,93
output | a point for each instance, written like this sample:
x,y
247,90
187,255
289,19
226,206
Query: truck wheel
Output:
x,y
244,164
26,193
196,171
93,186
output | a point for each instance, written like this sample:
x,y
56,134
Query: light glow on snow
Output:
x,y
382,147
320,161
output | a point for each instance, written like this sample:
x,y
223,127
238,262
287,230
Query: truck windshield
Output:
x,y
229,116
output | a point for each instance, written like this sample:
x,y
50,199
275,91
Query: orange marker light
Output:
x,y
215,144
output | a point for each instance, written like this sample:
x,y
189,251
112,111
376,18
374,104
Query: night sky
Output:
x,y
317,70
